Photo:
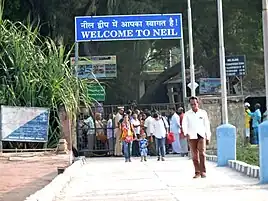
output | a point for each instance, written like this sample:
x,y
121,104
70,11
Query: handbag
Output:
x,y
101,136
170,138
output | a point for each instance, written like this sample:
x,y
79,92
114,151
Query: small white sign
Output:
x,y
195,85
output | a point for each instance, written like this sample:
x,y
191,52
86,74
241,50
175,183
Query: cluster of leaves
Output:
x,y
242,32
35,72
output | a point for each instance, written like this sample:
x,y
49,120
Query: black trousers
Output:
x,y
136,147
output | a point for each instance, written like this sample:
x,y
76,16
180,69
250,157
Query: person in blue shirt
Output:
x,y
256,120
143,147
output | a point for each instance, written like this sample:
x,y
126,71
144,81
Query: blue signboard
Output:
x,y
24,124
128,27
210,86
235,65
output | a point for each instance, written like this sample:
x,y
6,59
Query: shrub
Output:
x,y
35,72
247,153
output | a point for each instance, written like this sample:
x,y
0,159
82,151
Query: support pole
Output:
x,y
263,127
76,75
191,49
183,73
265,44
222,64
226,133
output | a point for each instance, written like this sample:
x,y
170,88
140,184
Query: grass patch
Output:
x,y
248,153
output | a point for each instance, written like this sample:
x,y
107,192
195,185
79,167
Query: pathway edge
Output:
x,y
50,191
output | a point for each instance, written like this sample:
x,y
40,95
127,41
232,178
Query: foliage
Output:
x,y
242,32
35,72
248,153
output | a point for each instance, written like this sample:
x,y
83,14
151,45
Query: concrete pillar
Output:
x,y
171,93
263,152
65,127
226,144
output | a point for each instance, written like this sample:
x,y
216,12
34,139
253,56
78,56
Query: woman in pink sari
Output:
x,y
127,137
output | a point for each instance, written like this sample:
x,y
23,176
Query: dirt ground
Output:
x,y
22,175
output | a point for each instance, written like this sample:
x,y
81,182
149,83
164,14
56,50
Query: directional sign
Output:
x,y
96,92
235,65
195,85
100,67
128,27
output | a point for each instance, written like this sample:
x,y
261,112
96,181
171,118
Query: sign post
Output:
x,y
191,49
96,92
96,67
183,73
126,27
235,65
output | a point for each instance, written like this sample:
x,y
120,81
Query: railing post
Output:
x,y
263,152
226,144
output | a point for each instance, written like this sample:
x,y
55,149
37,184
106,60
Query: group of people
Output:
x,y
255,118
192,127
141,133
145,133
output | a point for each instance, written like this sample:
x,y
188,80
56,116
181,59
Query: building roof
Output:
x,y
200,73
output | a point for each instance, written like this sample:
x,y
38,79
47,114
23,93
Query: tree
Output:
x,y
35,72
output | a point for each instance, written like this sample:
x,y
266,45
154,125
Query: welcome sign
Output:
x,y
129,27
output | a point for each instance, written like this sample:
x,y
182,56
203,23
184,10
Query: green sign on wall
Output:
x,y
96,92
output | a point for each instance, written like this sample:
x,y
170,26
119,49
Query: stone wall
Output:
x,y
212,104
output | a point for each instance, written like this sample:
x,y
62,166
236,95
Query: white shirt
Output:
x,y
194,123
136,124
117,118
159,127
148,125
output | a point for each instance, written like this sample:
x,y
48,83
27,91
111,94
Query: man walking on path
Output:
x,y
196,127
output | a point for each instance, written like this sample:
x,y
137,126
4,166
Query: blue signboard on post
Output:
x,y
235,65
24,124
210,86
128,27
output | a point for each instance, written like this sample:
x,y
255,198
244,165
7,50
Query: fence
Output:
x,y
94,138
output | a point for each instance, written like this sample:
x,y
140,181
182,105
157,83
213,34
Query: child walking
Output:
x,y
143,147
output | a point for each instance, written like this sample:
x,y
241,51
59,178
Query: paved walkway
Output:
x,y
111,179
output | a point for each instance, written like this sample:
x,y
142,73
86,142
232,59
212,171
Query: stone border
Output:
x,y
49,192
249,170
212,158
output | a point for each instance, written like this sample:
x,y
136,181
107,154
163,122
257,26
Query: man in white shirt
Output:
x,y
160,131
196,127
117,132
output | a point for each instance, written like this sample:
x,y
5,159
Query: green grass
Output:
x,y
248,154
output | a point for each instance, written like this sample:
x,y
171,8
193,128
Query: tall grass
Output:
x,y
34,71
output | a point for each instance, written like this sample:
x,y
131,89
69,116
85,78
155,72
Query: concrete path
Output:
x,y
111,179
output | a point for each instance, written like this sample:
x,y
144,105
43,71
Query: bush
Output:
x,y
35,72
247,153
